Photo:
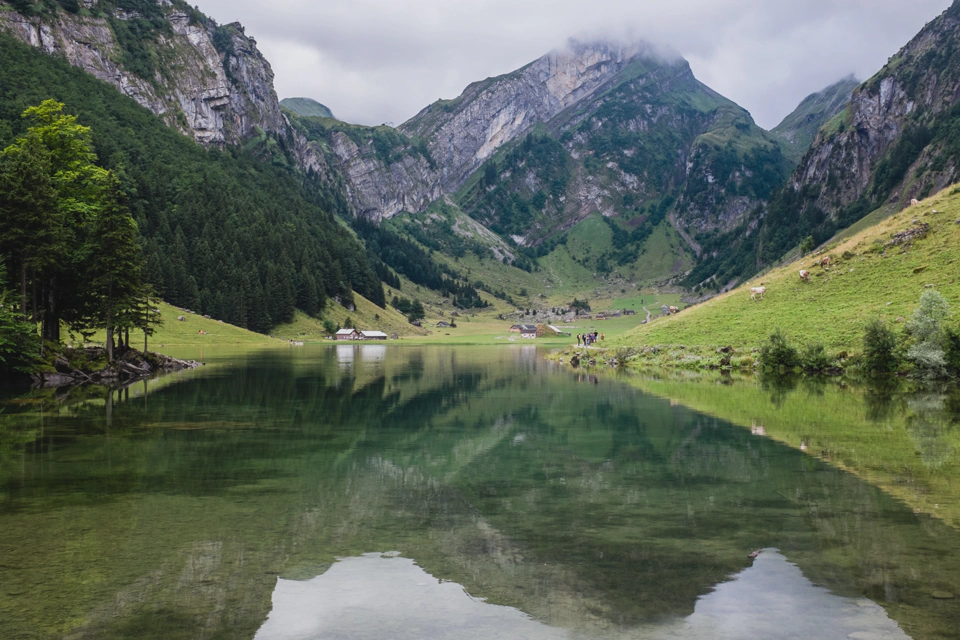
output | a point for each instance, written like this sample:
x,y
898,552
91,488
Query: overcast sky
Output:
x,y
376,61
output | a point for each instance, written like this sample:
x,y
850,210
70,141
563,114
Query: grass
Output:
x,y
186,333
868,279
365,316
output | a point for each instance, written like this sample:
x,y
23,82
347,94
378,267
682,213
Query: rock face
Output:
x,y
457,136
465,132
218,96
890,130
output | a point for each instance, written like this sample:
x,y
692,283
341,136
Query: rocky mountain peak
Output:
x,y
493,112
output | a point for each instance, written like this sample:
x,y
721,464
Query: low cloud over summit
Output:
x,y
375,61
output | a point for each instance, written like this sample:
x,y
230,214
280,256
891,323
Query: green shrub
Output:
x,y
879,349
951,348
814,358
778,353
329,326
926,328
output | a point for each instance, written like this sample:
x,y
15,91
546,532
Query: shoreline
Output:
x,y
88,365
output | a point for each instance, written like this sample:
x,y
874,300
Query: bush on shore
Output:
x,y
778,354
879,349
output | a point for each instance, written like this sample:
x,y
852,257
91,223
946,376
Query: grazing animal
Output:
x,y
757,291
914,202
804,275
674,310
825,261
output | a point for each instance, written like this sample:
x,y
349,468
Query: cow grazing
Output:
x,y
914,202
804,275
825,261
757,291
674,310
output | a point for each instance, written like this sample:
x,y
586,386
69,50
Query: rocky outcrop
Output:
x,y
916,89
378,189
217,96
89,366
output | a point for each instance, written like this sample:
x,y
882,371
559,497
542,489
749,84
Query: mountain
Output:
x,y
205,80
238,234
897,140
618,131
307,107
799,129
599,161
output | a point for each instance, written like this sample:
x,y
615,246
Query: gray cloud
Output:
x,y
375,61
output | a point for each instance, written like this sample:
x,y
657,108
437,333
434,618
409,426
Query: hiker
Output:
x,y
578,339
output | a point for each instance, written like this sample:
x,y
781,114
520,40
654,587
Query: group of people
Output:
x,y
587,339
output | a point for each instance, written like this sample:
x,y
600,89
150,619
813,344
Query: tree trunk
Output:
x,y
51,315
109,332
126,337
33,280
23,289
110,322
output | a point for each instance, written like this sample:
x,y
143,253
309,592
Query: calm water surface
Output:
x,y
367,491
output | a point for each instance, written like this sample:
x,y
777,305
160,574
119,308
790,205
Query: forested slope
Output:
x,y
236,234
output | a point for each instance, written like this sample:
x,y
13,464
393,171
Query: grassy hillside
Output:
x,y
869,278
186,333
365,316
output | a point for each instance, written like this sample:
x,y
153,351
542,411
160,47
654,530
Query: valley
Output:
x,y
762,442
600,171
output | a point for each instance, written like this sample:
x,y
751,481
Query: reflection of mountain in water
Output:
x,y
591,507
385,596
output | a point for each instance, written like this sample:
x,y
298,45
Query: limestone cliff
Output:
x,y
209,81
465,132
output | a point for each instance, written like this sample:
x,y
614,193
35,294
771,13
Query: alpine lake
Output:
x,y
375,491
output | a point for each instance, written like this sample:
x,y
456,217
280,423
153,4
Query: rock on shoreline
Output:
x,y
128,365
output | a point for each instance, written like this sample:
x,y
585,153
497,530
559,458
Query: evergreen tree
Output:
x,y
114,265
17,338
28,210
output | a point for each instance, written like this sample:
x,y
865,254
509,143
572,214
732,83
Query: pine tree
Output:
x,y
114,264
